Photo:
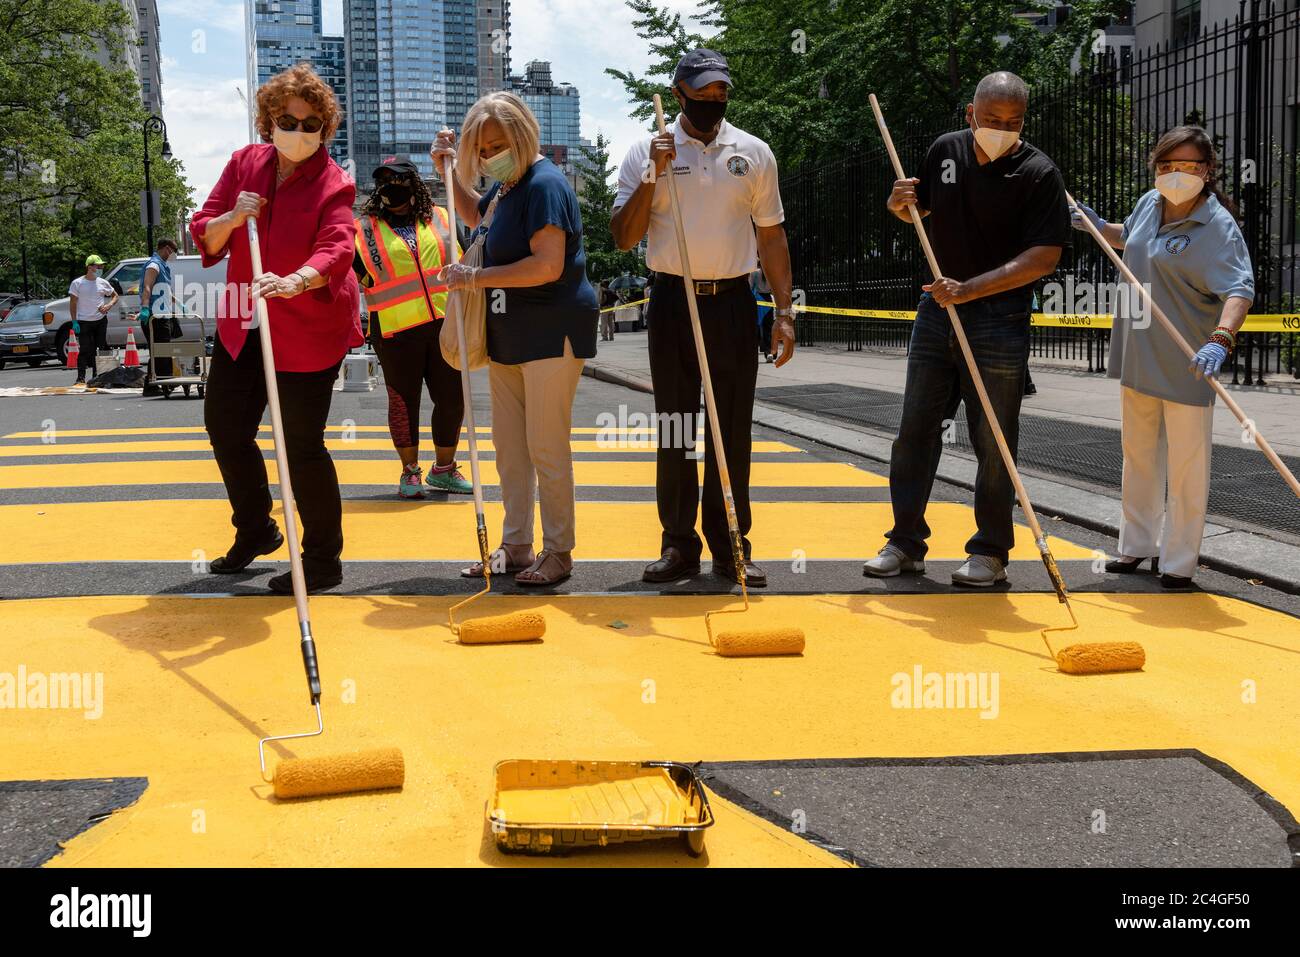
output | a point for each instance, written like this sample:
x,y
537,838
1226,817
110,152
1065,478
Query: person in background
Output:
x,y
1182,242
541,323
156,318
998,222
762,291
607,300
731,210
401,245
90,297
302,201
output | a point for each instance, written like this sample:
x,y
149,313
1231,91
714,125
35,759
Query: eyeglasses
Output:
x,y
1181,166
289,123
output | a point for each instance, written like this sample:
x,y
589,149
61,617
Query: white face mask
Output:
x,y
995,142
1178,188
296,146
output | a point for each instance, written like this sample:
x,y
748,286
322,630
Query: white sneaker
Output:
x,y
980,571
890,562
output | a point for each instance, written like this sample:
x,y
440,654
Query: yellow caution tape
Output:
x,y
624,305
1262,322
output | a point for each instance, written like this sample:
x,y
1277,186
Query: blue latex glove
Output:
x,y
76,327
1209,360
144,313
1078,213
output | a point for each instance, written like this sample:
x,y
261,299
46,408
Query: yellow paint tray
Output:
x,y
544,807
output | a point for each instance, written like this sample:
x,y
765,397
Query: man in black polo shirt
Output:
x,y
998,221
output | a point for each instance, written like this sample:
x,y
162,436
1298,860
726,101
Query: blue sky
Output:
x,y
204,62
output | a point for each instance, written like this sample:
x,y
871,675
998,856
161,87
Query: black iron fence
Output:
x,y
1240,80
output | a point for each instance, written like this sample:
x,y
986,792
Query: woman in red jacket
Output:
x,y
302,201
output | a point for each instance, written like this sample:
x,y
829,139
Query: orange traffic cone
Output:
x,y
73,350
132,358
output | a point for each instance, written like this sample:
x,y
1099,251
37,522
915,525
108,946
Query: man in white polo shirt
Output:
x,y
731,211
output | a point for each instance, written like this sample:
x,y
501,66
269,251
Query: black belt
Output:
x,y
707,287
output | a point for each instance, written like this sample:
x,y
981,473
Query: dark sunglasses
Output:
x,y
289,123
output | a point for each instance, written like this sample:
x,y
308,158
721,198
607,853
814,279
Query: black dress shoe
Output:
x,y
241,554
283,584
755,577
1175,582
1117,567
670,567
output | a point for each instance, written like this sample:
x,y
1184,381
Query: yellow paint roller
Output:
x,y
494,629
1083,659
738,643
328,775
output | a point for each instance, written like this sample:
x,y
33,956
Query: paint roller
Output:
x,y
337,774
738,643
491,629
1077,659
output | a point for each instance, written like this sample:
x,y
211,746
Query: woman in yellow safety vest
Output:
x,y
401,245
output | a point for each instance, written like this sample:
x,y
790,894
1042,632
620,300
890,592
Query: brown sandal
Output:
x,y
543,558
476,570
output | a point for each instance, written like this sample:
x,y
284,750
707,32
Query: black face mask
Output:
x,y
395,194
704,115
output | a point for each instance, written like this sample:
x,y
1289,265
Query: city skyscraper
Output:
x,y
282,33
557,108
415,66
142,52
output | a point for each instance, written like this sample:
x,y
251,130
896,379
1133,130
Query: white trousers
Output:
x,y
1165,443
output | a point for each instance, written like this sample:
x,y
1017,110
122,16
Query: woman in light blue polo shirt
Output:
x,y
1183,244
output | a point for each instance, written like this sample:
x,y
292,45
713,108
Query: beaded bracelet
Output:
x,y
1225,338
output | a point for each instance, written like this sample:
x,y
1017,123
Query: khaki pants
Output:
x,y
1165,442
532,411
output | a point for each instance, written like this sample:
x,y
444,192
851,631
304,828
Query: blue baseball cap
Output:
x,y
700,68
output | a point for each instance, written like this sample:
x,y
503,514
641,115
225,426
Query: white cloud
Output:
x,y
221,14
206,122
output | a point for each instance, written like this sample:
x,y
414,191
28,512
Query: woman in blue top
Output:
x,y
541,323
1183,244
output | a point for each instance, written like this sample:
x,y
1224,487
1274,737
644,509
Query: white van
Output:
x,y
196,289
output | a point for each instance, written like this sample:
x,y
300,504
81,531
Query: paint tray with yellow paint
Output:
x,y
547,807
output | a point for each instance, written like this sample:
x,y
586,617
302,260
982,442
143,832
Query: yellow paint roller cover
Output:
x,y
493,629
374,770
759,642
1101,658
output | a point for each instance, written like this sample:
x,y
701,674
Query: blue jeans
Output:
x,y
937,379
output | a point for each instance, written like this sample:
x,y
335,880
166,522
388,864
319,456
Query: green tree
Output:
x,y
71,145
803,68
604,259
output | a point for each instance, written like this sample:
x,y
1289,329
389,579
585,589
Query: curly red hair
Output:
x,y
304,82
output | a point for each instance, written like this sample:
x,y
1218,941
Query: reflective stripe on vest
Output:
x,y
402,293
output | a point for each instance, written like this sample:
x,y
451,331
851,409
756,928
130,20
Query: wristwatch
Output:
x,y
303,279
785,313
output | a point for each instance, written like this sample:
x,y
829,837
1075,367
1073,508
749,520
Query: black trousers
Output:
x,y
412,362
92,337
730,324
233,406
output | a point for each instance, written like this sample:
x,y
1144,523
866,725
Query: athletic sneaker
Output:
x,y
890,562
980,571
409,485
448,479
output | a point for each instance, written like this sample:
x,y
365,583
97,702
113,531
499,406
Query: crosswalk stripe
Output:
x,y
423,531
342,445
166,472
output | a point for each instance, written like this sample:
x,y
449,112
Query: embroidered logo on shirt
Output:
x,y
1176,244
737,166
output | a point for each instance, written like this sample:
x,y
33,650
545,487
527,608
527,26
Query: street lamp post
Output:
x,y
154,124
22,226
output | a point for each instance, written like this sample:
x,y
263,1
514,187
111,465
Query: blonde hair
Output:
x,y
517,123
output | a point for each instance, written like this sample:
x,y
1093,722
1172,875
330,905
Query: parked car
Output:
x,y
196,289
7,301
27,334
